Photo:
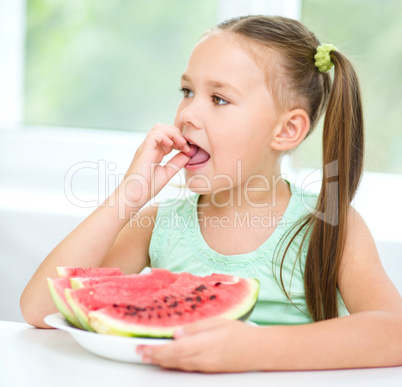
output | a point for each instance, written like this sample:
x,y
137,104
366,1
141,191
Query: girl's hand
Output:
x,y
212,345
145,176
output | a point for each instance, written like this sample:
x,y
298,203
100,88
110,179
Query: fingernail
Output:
x,y
146,359
147,351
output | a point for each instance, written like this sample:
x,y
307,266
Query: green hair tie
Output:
x,y
323,59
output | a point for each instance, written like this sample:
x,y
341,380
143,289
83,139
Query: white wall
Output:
x,y
35,213
12,40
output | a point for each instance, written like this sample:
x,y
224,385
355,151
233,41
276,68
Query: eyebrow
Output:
x,y
214,84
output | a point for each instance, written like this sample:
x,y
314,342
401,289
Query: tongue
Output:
x,y
198,155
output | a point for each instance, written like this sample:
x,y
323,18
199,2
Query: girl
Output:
x,y
253,90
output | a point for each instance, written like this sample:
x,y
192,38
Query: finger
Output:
x,y
174,165
160,138
167,144
169,355
173,133
182,354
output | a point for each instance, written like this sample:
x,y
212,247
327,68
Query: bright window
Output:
x,y
369,32
109,64
116,64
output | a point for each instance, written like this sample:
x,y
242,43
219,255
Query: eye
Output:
x,y
219,101
187,93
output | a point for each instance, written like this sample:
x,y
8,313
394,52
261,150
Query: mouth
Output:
x,y
198,155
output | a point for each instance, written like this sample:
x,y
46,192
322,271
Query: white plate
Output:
x,y
112,347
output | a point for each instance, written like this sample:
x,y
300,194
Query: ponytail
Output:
x,y
342,169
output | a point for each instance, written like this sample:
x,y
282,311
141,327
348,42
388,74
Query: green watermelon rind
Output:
x,y
79,313
63,308
62,271
76,282
104,324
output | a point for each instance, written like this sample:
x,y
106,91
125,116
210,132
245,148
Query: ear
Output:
x,y
292,131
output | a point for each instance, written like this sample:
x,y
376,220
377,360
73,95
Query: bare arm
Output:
x,y
371,336
88,245
107,237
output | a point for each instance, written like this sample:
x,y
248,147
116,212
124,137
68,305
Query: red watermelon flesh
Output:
x,y
153,307
107,291
212,296
57,286
66,271
81,282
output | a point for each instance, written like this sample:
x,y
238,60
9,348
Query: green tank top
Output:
x,y
178,245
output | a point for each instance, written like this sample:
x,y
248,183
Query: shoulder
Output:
x,y
363,282
358,239
145,218
130,249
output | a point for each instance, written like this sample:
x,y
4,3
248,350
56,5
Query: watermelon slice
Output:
x,y
58,286
156,304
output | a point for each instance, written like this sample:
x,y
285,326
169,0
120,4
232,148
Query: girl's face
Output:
x,y
228,111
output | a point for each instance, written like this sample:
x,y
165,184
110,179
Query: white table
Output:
x,y
36,357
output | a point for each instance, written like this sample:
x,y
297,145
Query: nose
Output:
x,y
190,115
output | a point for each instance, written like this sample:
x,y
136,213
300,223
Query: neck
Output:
x,y
255,194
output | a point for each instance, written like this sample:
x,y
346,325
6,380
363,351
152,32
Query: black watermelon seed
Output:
x,y
140,309
173,305
115,306
198,299
218,283
212,297
189,299
178,313
200,288
193,306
